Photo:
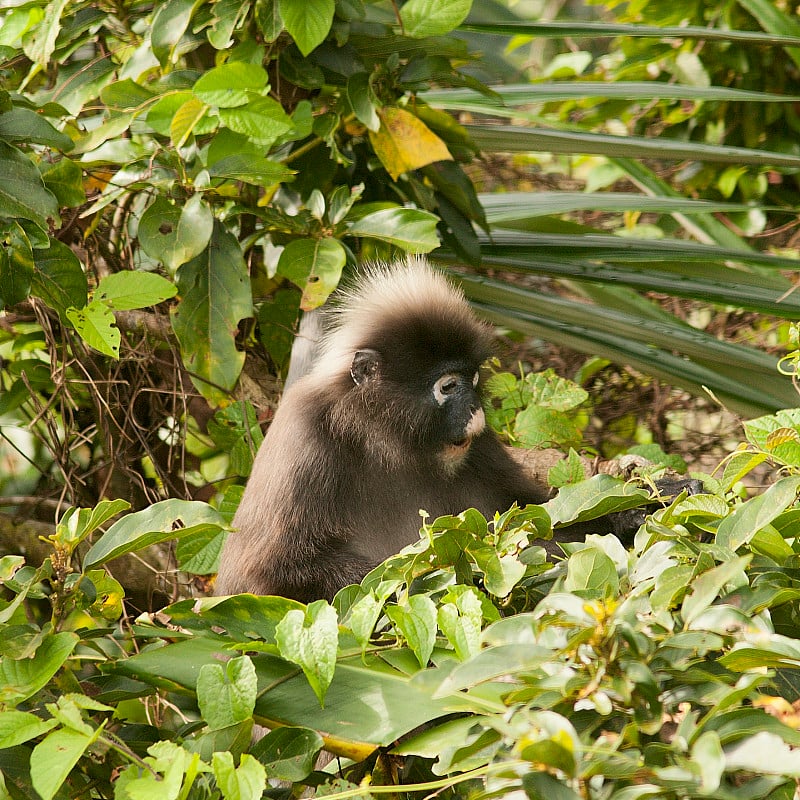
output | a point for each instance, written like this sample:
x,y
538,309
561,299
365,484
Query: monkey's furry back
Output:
x,y
338,483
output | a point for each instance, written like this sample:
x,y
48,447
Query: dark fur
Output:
x,y
351,459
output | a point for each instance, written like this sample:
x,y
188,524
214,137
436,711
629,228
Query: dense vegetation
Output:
x,y
178,180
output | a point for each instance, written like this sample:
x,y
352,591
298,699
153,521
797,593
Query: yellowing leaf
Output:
x,y
185,120
403,142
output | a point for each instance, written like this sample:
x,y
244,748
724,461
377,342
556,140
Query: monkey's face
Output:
x,y
459,415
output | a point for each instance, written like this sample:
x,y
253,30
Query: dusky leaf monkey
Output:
x,y
388,421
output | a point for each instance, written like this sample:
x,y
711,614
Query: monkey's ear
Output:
x,y
365,366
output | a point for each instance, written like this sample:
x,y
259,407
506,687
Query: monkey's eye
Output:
x,y
444,387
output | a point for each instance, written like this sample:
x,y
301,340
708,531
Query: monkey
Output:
x,y
387,423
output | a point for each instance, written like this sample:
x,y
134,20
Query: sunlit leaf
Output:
x,y
403,142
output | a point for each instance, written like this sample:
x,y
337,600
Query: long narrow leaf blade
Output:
x,y
517,94
675,353
513,139
557,29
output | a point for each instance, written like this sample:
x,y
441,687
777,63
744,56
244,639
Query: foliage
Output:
x,y
177,181
467,664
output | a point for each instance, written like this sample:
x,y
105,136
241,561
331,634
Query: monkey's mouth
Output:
x,y
455,452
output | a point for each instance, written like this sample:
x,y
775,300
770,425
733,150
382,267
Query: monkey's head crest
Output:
x,y
389,302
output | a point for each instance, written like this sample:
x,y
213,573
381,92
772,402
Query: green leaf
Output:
x,y
40,45
22,678
17,727
363,100
229,15
215,295
360,684
258,171
268,18
758,512
127,290
707,753
307,21
245,782
58,278
777,434
170,21
126,95
169,519
22,192
433,17
262,119
288,753
311,641
199,553
25,126
226,694
460,621
568,470
64,179
175,235
363,617
596,497
591,573
706,588
162,112
78,523
230,84
16,265
417,624
574,28
277,321
315,265
501,573
511,96
407,228
763,753
53,759
97,327
540,785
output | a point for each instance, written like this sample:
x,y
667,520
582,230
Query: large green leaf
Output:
x,y
215,294
433,17
367,705
175,234
26,126
407,228
307,21
169,519
21,678
229,85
